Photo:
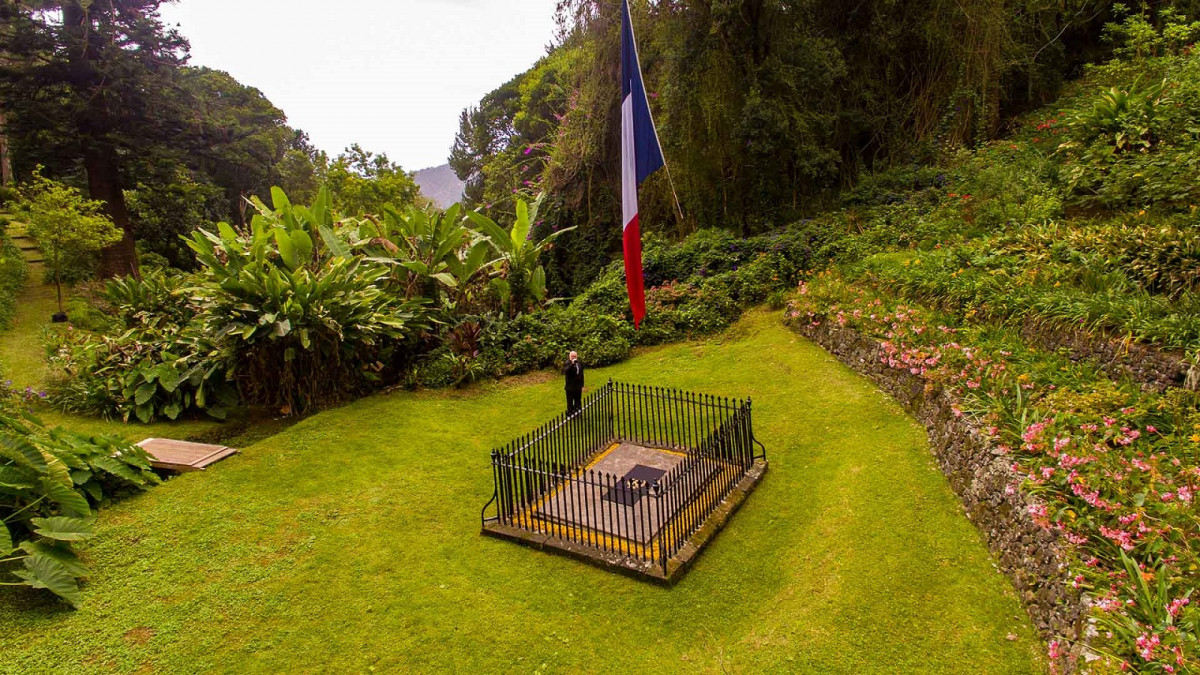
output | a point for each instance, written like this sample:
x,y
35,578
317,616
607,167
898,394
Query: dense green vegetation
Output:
x,y
852,555
50,482
959,191
766,108
1085,219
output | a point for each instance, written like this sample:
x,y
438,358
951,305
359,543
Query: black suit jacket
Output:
x,y
574,374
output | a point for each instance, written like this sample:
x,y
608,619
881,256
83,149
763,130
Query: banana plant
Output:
x,y
304,324
431,246
519,254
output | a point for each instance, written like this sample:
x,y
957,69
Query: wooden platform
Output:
x,y
183,456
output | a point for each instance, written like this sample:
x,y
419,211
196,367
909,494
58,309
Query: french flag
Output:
x,y
641,155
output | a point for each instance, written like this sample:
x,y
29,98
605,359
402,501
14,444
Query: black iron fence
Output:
x,y
553,481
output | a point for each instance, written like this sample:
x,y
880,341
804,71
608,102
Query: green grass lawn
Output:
x,y
350,542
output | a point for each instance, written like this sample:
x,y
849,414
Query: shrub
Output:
x,y
68,228
301,326
168,211
543,339
144,373
50,481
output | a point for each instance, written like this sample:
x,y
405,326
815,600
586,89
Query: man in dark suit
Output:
x,y
574,385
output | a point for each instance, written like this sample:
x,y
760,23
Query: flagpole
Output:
x,y
674,194
670,180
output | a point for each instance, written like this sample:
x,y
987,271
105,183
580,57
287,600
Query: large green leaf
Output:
x,y
145,393
22,451
6,542
16,478
168,377
120,469
321,208
279,199
520,229
537,283
335,245
496,234
287,249
60,551
475,260
226,230
71,502
172,410
63,528
304,246
43,571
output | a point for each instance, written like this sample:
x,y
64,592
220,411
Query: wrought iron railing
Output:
x,y
545,482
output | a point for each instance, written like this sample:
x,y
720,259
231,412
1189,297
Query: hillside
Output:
x,y
440,185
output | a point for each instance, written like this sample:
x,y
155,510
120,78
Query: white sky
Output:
x,y
391,75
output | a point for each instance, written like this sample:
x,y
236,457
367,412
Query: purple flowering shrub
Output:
x,y
1116,469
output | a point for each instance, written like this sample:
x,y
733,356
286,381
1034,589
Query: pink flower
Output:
x,y
1177,606
1146,645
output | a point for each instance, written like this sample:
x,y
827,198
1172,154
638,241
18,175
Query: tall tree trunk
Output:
x,y
100,159
6,177
104,184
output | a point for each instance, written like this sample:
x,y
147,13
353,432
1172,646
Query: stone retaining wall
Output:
x,y
1030,555
1151,367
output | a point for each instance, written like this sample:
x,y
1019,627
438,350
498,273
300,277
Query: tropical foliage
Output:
x,y
51,481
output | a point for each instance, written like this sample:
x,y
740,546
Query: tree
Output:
x,y
92,83
65,226
361,182
233,135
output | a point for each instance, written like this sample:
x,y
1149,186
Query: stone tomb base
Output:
x,y
621,514
623,508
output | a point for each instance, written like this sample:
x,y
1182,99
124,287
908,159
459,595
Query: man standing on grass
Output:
x,y
574,374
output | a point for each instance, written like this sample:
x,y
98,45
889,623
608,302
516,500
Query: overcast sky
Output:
x,y
392,75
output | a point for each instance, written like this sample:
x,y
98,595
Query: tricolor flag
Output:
x,y
641,156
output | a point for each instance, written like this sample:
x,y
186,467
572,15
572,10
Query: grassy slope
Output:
x,y
351,541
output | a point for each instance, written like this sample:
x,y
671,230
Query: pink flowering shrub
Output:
x,y
1117,469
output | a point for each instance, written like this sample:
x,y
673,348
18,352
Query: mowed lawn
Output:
x,y
350,542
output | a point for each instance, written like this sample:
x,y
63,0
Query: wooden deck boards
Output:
x,y
183,456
